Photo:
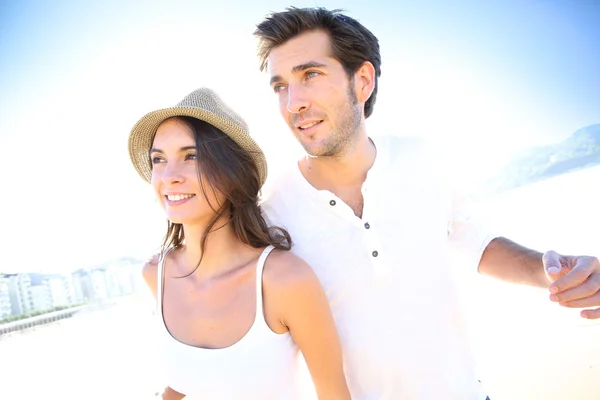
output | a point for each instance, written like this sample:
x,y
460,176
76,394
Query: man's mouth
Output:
x,y
308,125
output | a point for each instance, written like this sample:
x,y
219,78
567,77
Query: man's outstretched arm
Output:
x,y
573,281
511,262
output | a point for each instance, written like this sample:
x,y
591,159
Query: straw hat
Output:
x,y
203,104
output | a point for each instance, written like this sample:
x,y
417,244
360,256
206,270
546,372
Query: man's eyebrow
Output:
x,y
274,79
305,66
298,68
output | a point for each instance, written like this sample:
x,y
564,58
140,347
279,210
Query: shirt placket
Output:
x,y
371,241
371,237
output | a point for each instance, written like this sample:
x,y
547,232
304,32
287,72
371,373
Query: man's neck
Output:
x,y
343,175
348,170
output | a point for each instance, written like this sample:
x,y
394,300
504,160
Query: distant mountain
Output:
x,y
580,150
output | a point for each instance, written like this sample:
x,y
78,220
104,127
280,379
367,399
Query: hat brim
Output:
x,y
142,136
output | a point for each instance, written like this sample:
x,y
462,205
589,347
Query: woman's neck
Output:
x,y
222,250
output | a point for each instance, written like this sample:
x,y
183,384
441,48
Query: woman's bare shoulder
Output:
x,y
284,270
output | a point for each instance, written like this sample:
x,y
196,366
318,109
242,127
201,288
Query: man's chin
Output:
x,y
311,146
314,151
319,150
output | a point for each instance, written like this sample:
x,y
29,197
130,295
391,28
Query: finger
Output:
x,y
589,288
590,301
580,272
552,265
591,314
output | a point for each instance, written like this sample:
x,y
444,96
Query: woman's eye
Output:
x,y
191,156
157,160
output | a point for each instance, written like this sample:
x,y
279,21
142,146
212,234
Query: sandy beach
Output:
x,y
104,354
107,354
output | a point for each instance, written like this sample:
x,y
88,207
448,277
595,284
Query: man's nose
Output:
x,y
297,100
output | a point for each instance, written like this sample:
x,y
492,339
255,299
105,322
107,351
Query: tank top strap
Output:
x,y
161,279
260,265
159,282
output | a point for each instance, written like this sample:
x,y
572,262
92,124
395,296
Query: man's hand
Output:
x,y
574,282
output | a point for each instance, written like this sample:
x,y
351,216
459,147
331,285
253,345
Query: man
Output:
x,y
373,218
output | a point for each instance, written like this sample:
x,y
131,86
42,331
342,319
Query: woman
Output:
x,y
235,305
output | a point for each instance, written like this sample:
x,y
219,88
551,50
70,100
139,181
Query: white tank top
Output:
x,y
260,366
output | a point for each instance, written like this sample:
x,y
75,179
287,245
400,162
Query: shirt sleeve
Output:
x,y
467,231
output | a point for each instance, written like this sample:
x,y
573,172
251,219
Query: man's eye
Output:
x,y
278,88
311,74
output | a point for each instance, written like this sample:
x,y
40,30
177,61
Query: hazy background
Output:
x,y
483,79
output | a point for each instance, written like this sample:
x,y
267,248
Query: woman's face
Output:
x,y
175,175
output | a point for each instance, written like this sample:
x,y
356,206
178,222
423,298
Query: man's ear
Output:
x,y
364,81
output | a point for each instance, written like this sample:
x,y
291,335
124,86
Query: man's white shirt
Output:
x,y
387,275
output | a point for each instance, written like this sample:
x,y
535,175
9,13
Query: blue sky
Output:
x,y
75,76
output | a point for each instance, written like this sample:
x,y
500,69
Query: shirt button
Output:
x,y
367,226
375,253
332,203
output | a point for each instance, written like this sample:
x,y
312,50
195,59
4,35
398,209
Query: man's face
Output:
x,y
316,98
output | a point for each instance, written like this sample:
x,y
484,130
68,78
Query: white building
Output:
x,y
90,284
5,309
19,293
99,284
60,289
82,285
40,297
50,291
